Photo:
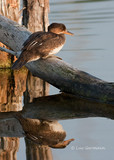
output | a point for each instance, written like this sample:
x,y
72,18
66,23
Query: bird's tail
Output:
x,y
19,63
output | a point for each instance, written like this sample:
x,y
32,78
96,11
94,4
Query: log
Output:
x,y
55,71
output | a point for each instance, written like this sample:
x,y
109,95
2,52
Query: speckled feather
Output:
x,y
39,45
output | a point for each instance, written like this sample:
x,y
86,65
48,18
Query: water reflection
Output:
x,y
44,132
36,152
8,148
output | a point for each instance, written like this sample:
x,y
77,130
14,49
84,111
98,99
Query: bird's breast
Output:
x,y
56,50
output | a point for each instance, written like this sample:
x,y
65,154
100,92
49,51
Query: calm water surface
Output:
x,y
91,49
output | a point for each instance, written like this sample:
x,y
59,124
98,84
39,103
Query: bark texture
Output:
x,y
35,16
55,71
10,9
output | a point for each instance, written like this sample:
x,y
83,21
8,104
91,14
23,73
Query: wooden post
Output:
x,y
11,10
35,17
12,85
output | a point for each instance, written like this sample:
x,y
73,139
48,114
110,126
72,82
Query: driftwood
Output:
x,y
55,71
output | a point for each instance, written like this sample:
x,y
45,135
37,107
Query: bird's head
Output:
x,y
58,28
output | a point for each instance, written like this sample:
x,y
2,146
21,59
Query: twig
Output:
x,y
9,51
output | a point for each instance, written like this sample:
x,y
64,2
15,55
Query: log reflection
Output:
x,y
64,106
56,107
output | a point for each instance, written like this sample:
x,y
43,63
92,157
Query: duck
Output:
x,y
41,45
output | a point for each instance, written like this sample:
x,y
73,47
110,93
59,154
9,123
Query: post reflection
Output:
x,y
8,148
36,152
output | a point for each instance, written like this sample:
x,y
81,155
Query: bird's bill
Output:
x,y
69,33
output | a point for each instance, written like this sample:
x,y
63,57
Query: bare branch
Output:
x,y
8,51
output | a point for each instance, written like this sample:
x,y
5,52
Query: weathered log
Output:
x,y
55,71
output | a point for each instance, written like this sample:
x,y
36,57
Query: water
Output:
x,y
91,50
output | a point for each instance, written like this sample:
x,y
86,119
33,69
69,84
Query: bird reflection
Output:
x,y
44,132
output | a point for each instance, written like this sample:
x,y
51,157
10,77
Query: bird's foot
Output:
x,y
52,56
58,57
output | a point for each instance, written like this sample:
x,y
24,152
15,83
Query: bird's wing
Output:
x,y
37,39
31,38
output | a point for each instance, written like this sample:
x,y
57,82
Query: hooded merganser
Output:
x,y
42,44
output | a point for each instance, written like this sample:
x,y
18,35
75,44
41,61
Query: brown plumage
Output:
x,y
42,44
